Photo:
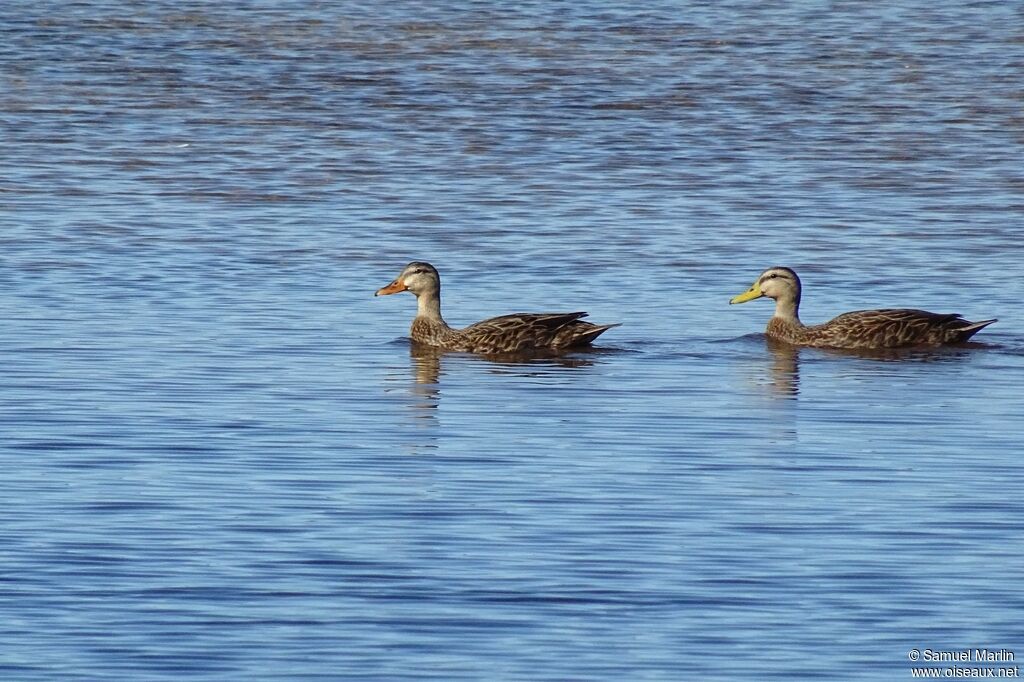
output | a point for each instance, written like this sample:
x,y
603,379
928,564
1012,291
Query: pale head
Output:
x,y
777,283
417,277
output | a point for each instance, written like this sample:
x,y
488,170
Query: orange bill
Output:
x,y
395,287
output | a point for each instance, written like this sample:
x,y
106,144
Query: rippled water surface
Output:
x,y
222,459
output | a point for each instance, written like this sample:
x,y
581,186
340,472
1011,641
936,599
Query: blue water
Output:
x,y
223,460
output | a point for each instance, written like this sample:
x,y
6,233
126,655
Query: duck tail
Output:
x,y
588,335
973,328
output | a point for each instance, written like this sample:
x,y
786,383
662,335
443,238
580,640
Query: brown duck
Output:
x,y
887,328
516,333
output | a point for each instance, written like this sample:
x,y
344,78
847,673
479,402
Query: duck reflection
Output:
x,y
785,358
424,398
426,365
425,389
948,353
785,368
430,364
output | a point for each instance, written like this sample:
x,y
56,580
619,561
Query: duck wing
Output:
x,y
521,332
894,327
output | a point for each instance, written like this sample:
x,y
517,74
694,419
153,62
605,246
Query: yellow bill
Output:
x,y
749,295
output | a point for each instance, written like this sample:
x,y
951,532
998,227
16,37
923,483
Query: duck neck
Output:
x,y
429,306
787,309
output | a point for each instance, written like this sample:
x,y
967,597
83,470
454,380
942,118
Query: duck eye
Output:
x,y
773,275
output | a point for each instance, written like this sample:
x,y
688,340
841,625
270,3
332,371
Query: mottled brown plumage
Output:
x,y
887,328
516,333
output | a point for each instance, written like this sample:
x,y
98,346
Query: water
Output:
x,y
222,460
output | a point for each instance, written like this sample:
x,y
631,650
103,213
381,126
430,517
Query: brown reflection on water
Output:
x,y
424,399
950,353
785,368
785,365
428,364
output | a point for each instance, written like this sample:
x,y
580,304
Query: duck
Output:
x,y
861,329
515,333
